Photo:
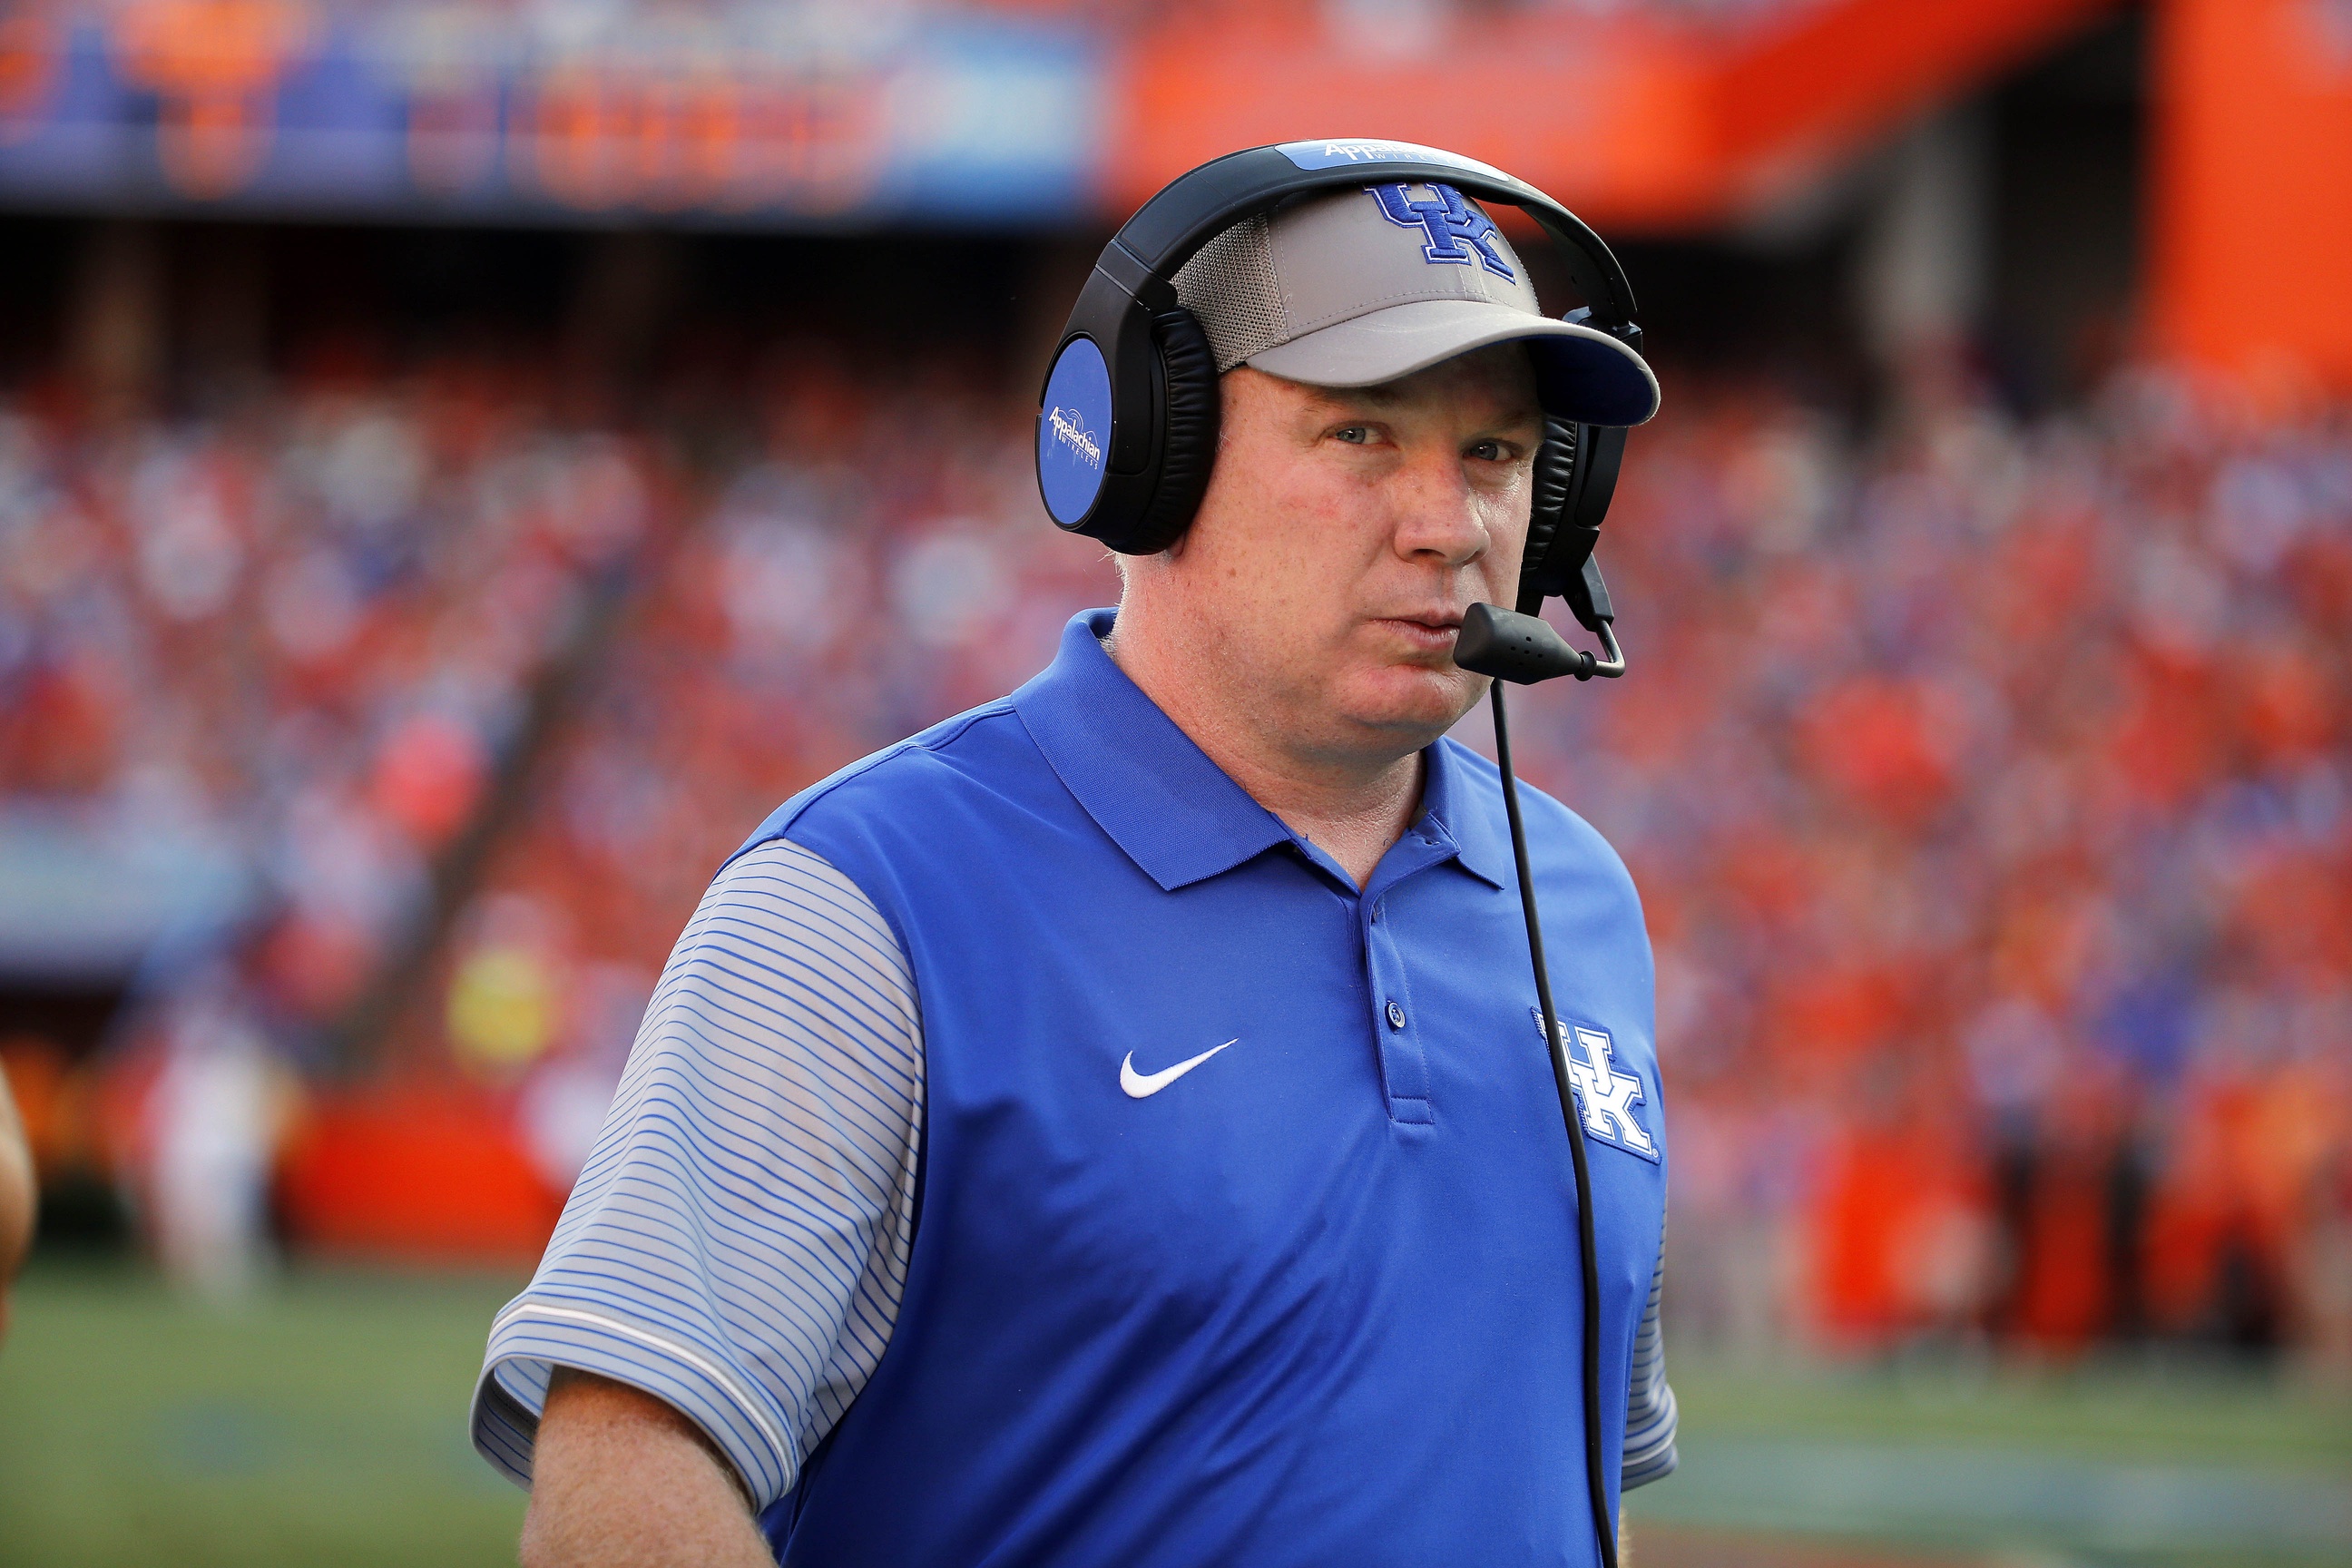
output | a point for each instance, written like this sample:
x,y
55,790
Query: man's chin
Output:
x,y
1409,700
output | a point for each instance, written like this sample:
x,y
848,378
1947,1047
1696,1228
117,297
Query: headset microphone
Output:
x,y
1524,649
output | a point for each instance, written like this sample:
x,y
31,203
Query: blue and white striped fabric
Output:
x,y
1650,1414
738,1243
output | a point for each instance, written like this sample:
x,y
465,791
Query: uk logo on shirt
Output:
x,y
1606,1096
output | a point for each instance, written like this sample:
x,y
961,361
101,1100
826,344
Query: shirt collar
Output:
x,y
1449,812
1175,813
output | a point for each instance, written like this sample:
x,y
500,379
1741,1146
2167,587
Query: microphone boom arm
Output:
x,y
1524,649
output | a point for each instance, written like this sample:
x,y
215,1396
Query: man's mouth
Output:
x,y
1432,630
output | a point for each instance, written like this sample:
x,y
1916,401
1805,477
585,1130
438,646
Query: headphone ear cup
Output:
x,y
1187,431
1553,488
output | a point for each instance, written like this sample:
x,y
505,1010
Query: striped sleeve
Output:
x,y
1650,1414
736,1244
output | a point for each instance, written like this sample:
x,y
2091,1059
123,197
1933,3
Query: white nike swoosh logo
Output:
x,y
1141,1086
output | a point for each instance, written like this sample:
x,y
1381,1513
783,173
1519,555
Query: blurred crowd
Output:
x,y
1988,783
1990,790
303,636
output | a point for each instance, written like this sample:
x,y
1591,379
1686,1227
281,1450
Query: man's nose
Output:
x,y
1437,513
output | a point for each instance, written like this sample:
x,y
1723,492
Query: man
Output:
x,y
16,1197
1112,1127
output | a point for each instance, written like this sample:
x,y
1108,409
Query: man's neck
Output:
x,y
1353,810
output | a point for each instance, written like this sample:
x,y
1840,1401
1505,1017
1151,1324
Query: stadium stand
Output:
x,y
1988,779
312,628
2007,983
289,651
2006,988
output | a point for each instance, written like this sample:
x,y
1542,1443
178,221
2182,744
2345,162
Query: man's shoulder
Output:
x,y
972,754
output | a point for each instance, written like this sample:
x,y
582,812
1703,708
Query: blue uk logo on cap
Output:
x,y
1458,232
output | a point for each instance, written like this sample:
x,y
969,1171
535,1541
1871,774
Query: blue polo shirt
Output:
x,y
1037,1153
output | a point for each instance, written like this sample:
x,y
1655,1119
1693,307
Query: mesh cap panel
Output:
x,y
1230,285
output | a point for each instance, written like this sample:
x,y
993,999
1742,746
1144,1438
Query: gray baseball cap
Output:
x,y
1360,286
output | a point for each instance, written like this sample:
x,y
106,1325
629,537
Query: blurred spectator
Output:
x,y
213,1116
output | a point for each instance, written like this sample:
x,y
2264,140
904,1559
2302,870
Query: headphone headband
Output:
x,y
1196,207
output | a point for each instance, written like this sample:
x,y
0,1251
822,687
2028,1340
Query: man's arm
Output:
x,y
16,1205
728,1269
622,1478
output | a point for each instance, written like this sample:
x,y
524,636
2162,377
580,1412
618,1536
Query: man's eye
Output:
x,y
1354,435
1487,451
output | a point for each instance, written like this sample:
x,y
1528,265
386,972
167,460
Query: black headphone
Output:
x,y
1127,421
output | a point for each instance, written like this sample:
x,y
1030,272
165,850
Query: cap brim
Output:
x,y
1583,374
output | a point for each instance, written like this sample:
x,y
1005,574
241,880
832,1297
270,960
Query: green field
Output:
x,y
2119,1463
324,1425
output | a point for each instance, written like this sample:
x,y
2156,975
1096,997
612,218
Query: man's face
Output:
x,y
1344,534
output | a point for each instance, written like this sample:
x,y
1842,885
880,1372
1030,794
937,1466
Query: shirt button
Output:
x,y
1396,1016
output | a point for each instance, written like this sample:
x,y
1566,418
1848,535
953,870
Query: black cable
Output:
x,y
1586,1249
